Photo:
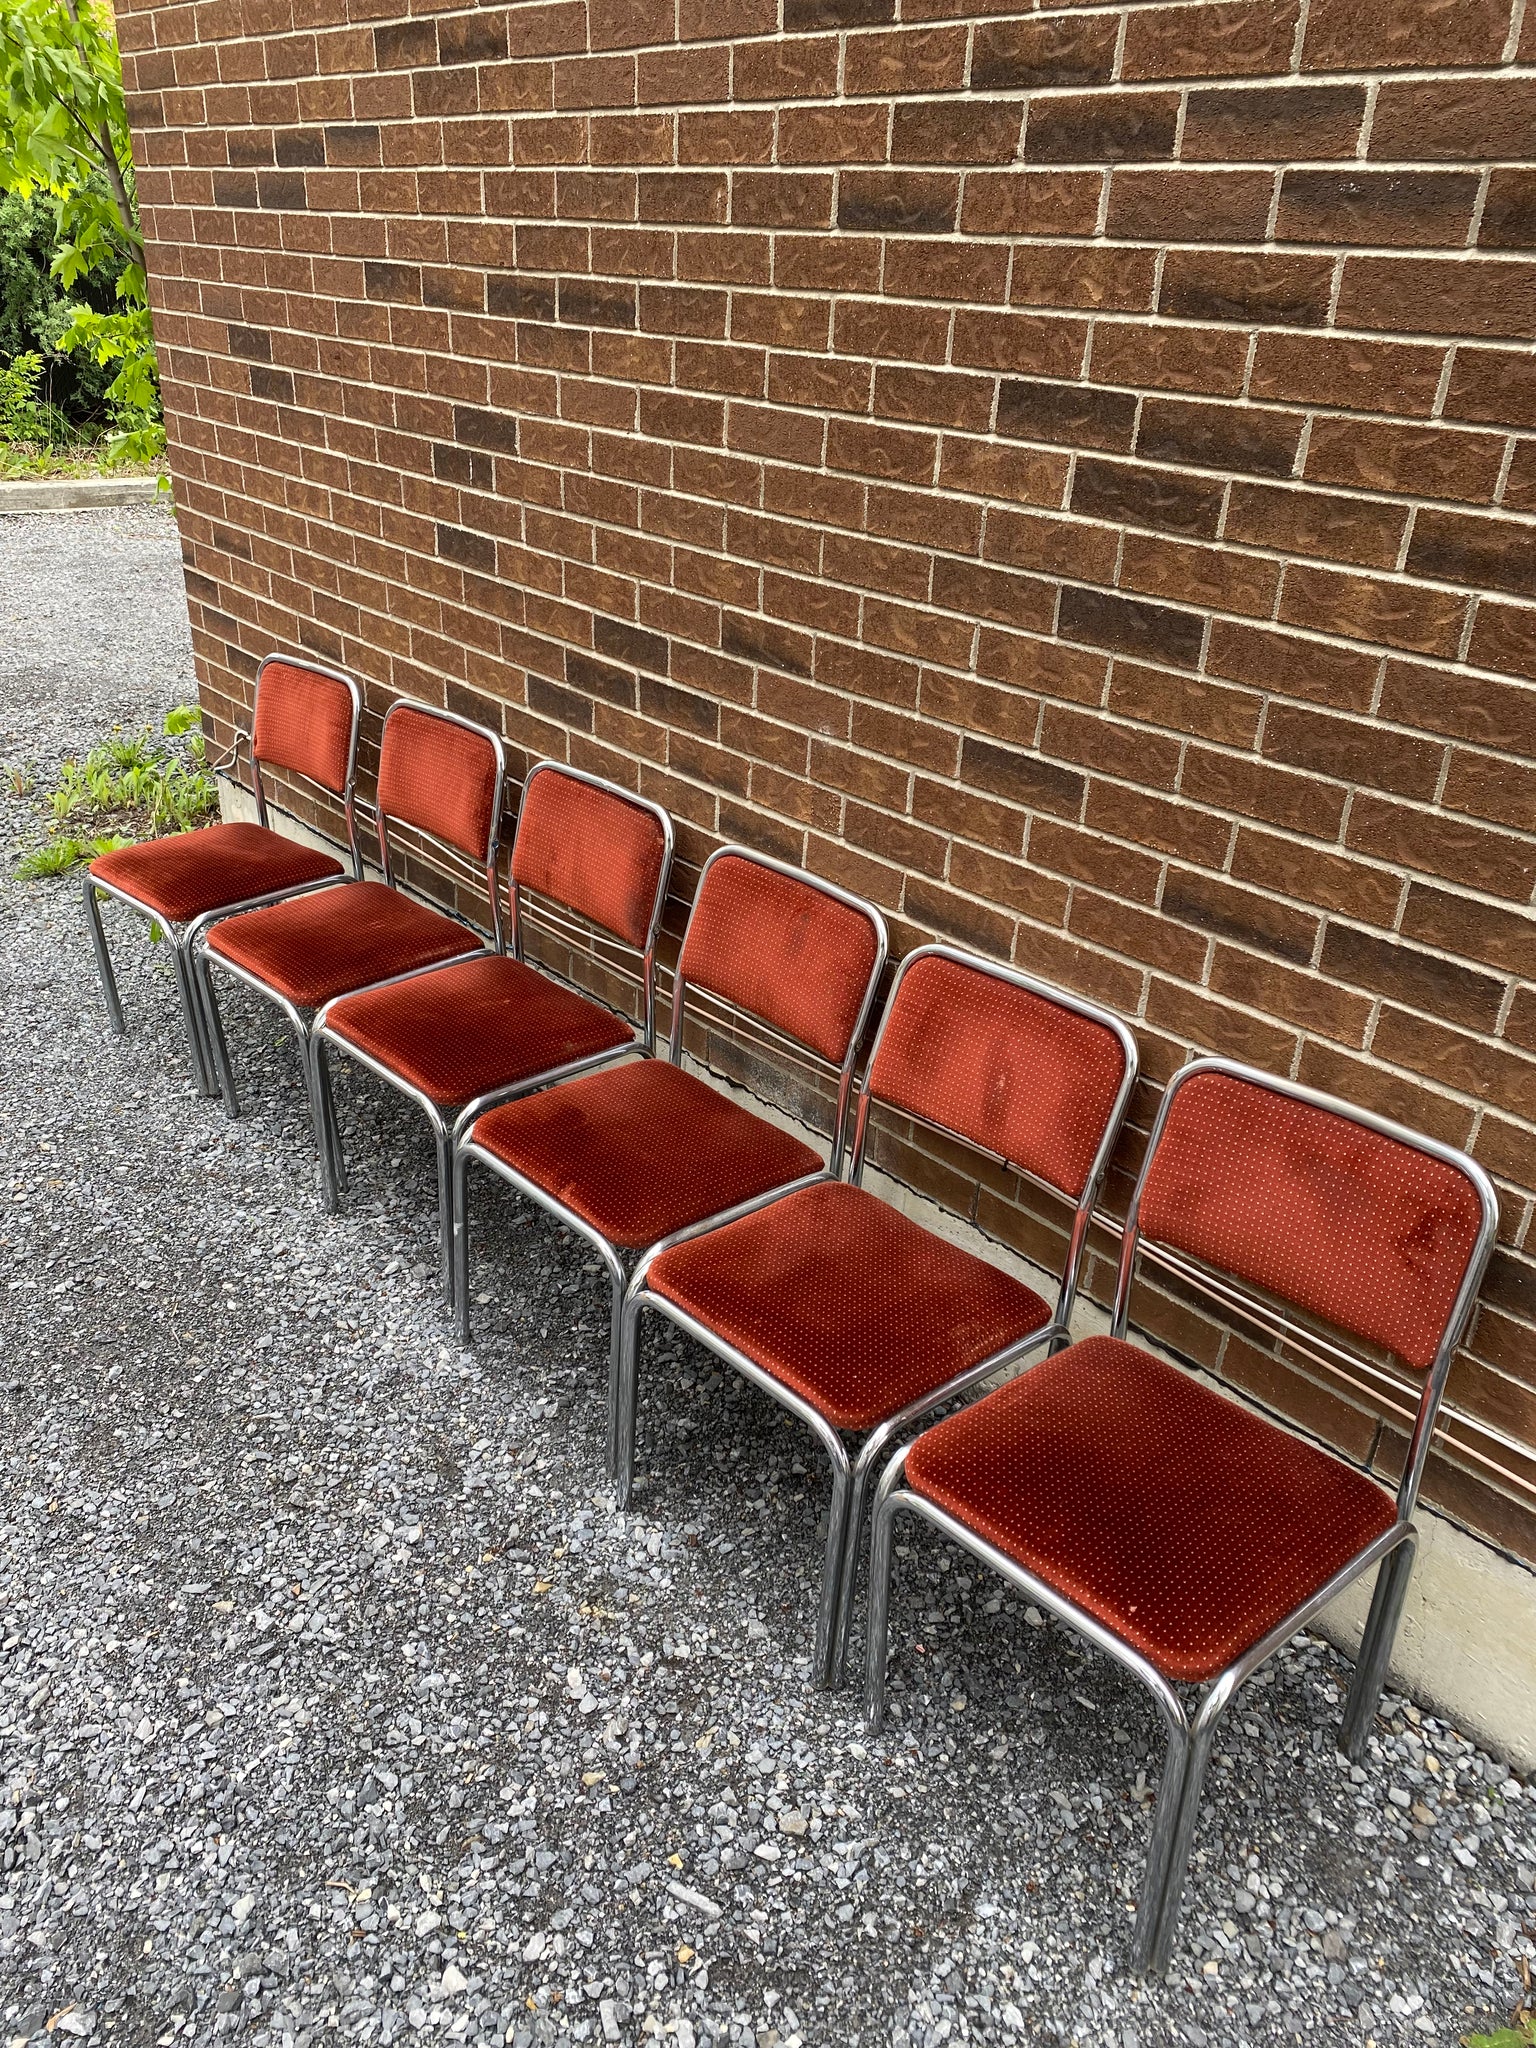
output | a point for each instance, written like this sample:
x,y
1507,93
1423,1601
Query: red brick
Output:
x,y
1395,614
1351,35
1189,206
1363,376
1426,461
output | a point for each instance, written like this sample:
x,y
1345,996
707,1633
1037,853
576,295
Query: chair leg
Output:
x,y
1392,1578
624,1398
215,1023
190,1018
849,1575
876,1645
832,1570
1173,1833
618,1281
108,979
461,1244
327,1133
197,1022
444,1141
319,1115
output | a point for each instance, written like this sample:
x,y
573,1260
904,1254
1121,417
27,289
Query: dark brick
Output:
x,y
1022,778
800,15
1129,626
478,38
1259,290
269,383
471,550
1164,499
1443,988
1241,437
597,679
1077,415
588,302
495,431
897,202
1096,128
553,700
356,142
632,644
520,298
1488,554
299,149
1061,50
1242,915
252,344
283,191
235,189
404,45
470,469
396,284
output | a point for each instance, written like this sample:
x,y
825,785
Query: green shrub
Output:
x,y
36,312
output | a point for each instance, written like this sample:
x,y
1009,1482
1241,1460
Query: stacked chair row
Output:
x,y
1186,1536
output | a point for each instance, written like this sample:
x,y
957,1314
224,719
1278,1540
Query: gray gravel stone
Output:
x,y
337,1702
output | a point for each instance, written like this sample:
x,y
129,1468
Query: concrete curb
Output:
x,y
79,493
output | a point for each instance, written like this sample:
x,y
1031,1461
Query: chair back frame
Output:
x,y
658,908
1231,1293
1087,1201
856,1037
493,835
348,792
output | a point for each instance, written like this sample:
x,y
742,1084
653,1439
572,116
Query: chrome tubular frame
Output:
x,y
850,1479
1191,1730
613,1256
189,983
316,1078
447,1129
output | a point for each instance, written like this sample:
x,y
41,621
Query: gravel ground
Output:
x,y
336,1701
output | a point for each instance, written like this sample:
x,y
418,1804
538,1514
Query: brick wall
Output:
x,y
1068,474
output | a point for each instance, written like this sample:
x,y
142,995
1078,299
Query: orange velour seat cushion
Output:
x,y
475,1025
189,872
1186,1524
315,947
641,1150
846,1301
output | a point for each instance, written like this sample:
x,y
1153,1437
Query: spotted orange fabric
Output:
x,y
1186,1524
440,777
591,849
304,722
314,947
181,876
475,1025
846,1301
781,950
1010,1071
1367,1233
641,1150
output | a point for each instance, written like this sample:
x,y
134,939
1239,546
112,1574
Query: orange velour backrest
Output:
x,y
1355,1227
1002,1067
783,950
440,777
303,722
591,847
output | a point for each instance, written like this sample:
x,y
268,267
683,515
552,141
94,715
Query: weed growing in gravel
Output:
x,y
58,856
130,787
1521,2031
